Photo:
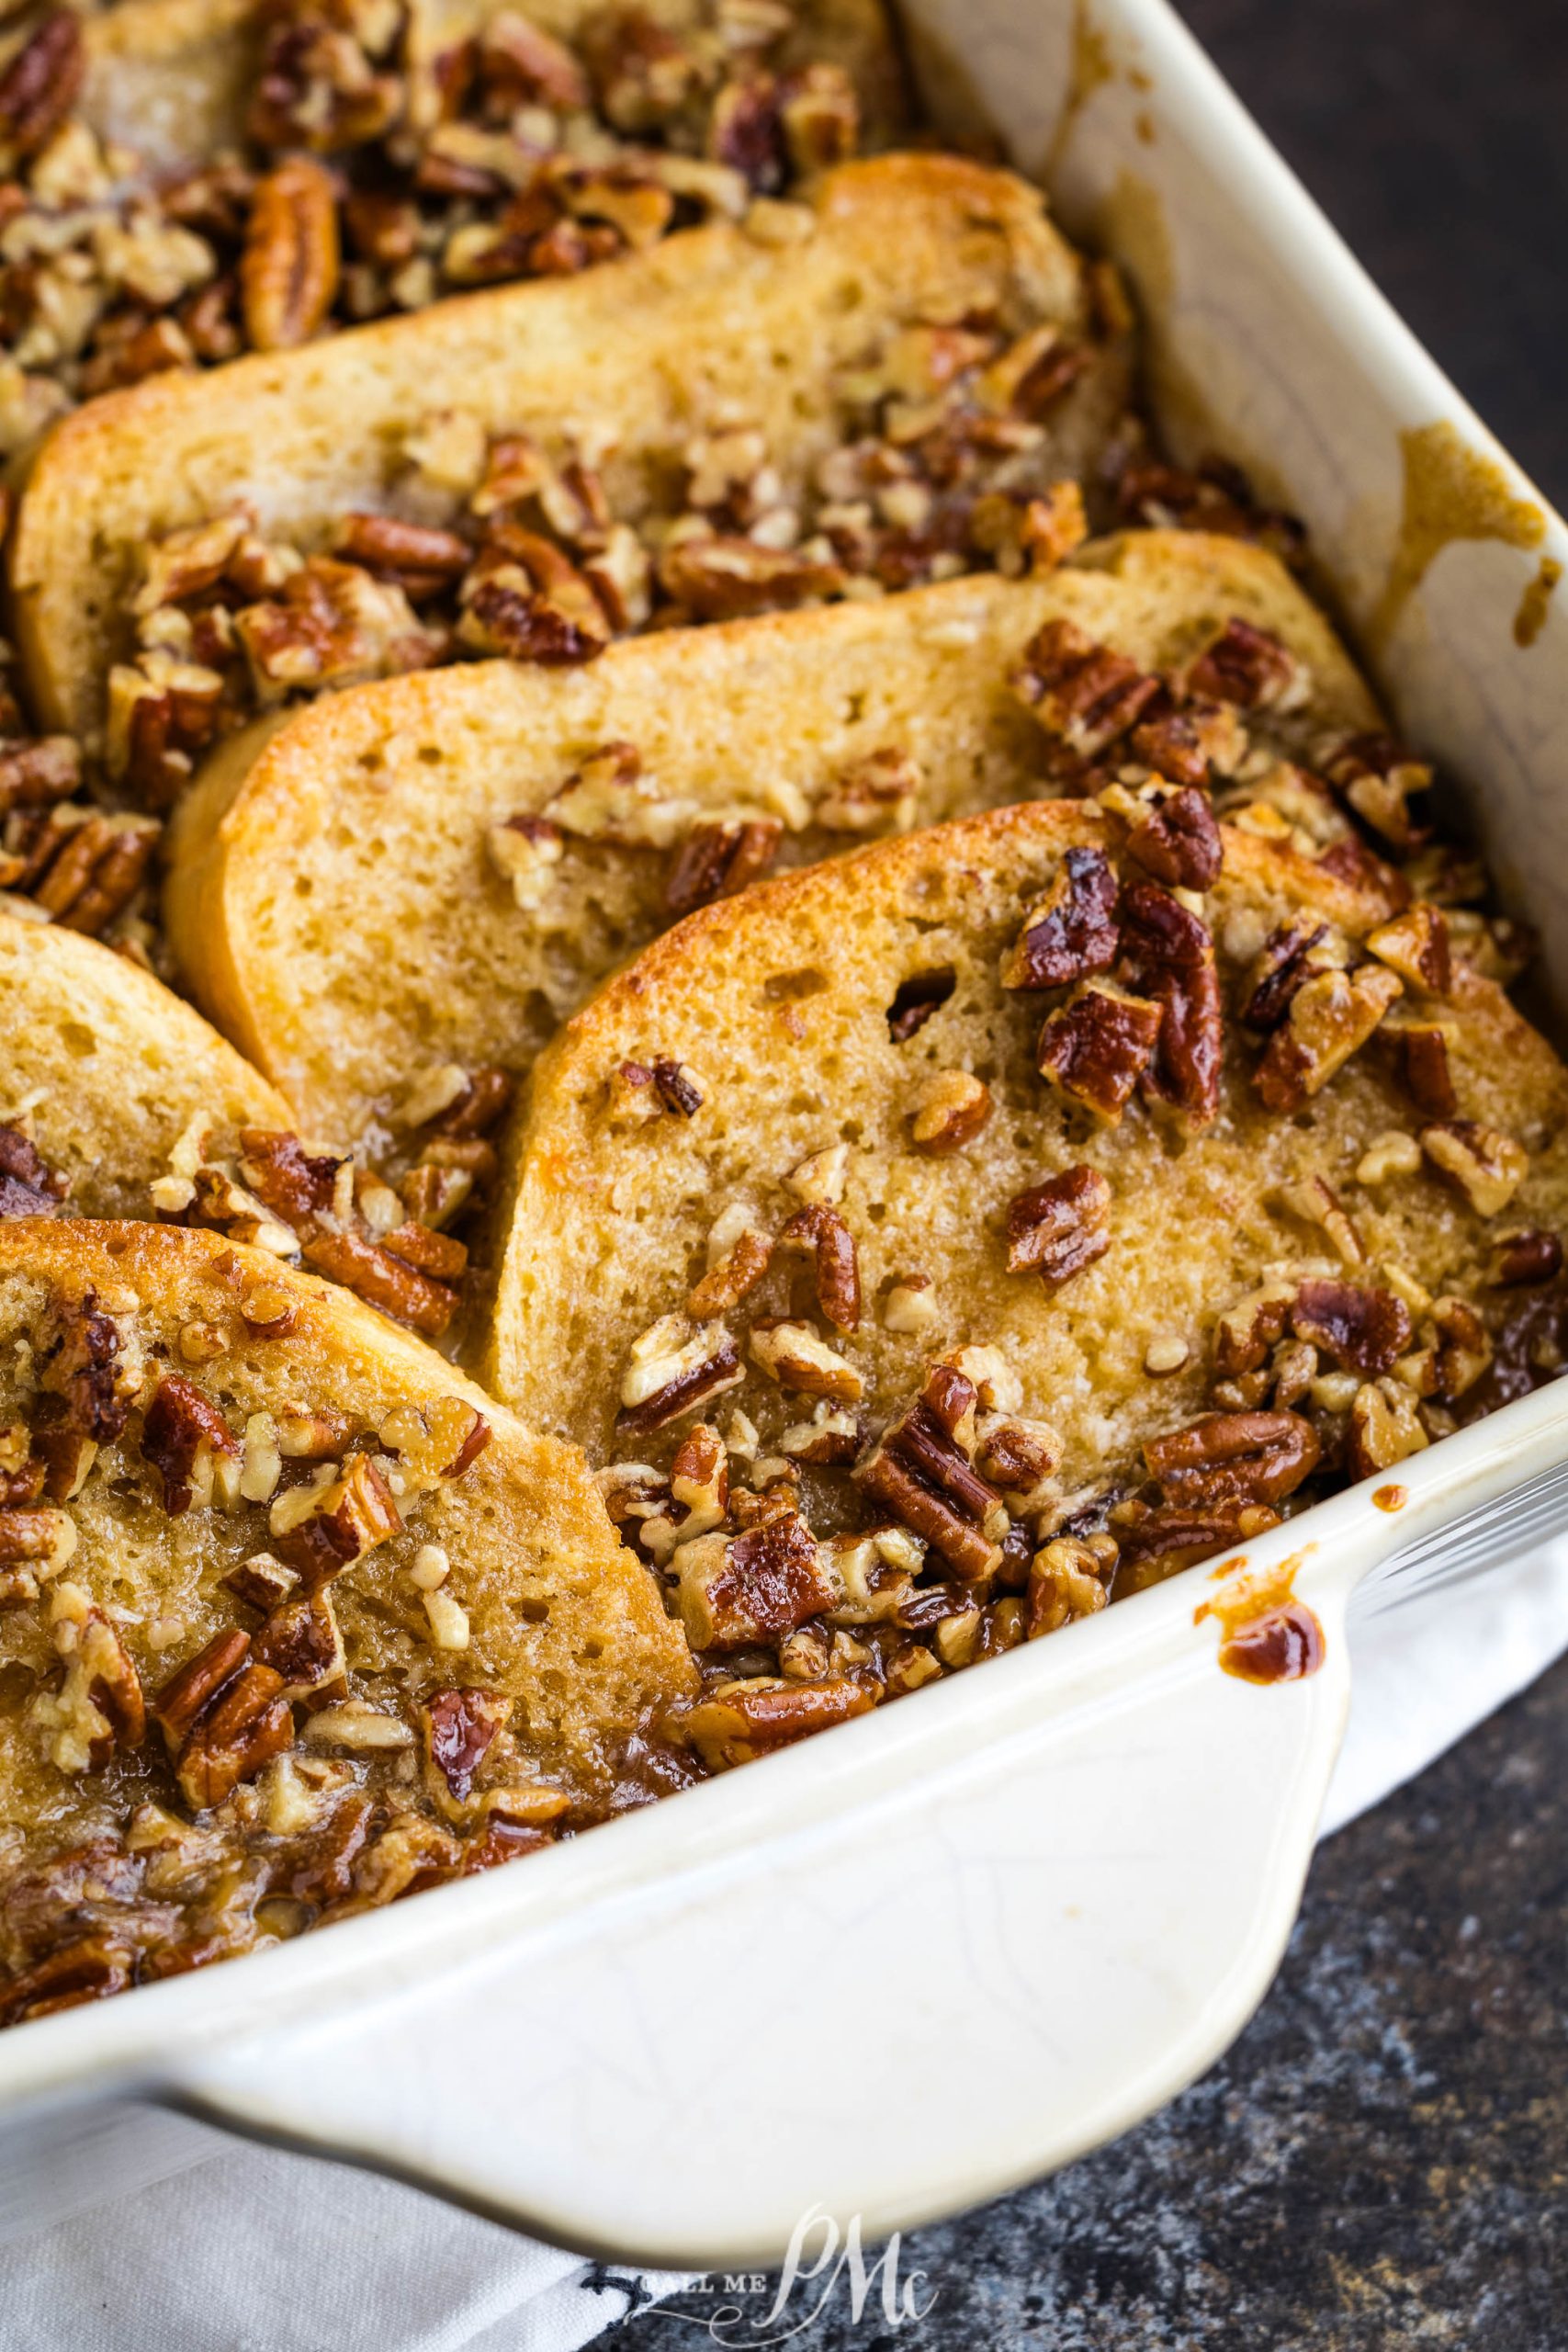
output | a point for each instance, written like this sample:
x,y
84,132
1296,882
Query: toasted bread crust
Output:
x,y
390,968
306,436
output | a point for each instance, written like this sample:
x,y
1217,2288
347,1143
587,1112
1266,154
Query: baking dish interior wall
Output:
x,y
1266,341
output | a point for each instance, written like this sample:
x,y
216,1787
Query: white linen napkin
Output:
x,y
278,2253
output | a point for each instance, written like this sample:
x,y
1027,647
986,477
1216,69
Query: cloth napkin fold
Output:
x,y
267,2252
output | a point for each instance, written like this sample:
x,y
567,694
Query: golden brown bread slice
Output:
x,y
636,367
335,898
1268,1172
290,1609
106,1069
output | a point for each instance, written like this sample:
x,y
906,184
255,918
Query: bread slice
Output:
x,y
173,79
219,1470
798,1167
630,363
334,899
106,1070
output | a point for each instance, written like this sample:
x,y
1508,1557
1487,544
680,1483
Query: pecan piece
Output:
x,y
180,1421
459,1727
40,85
1278,969
1172,1537
1417,944
1363,1330
676,1088
36,774
951,1108
1190,743
878,794
732,1278
1330,1017
1170,959
301,1642
1084,695
1072,931
1066,1579
1487,1166
89,1970
1180,841
792,1354
1423,1065
222,1719
835,1266
1057,1228
1098,1045
87,871
1528,1256
1385,1428
29,1187
347,1519
725,578
921,1470
419,558
529,601
753,1587
289,267
739,1721
1379,779
1233,1457
672,1373
378,1273
1249,667
717,860
88,1372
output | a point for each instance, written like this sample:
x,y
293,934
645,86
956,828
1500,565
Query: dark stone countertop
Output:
x,y
1381,2161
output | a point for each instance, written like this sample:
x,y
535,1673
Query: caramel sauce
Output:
x,y
1452,492
1266,1633
1536,602
1390,1498
1091,67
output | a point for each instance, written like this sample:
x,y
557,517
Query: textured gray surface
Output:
x,y
1381,2161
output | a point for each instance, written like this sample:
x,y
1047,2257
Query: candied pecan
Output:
x,y
1178,841
1487,1166
1363,1330
1066,1579
920,1469
334,624
1423,1064
915,998
1173,1537
835,1266
1330,1016
1416,944
1084,695
733,1277
289,267
421,560
1528,1256
679,1379
28,1185
1057,1228
792,1354
1072,931
951,1108
459,1726
301,1642
529,601
1233,1457
293,1183
717,860
36,774
741,1720
1246,666
1377,779
180,1423
736,1590
1098,1045
86,1371
676,1088
40,85
725,577
1170,958
349,1519
1278,969
480,1105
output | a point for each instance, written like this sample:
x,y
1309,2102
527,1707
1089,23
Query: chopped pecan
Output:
x,y
221,1718
1191,742
288,269
1178,841
459,1727
528,600
86,1969
1457,1353
1385,1428
301,1642
1528,1256
1174,1536
1066,1579
85,868
29,1187
1098,1045
88,1369
738,1721
835,1266
1278,969
950,1107
1423,1064
36,774
1379,779
343,1521
180,1421
381,1272
1416,944
794,1354
753,1587
732,1277
40,85
1316,1202
915,998
1249,667
35,1541
1487,1166
1233,1457
295,1184
672,1373
878,794
1072,931
922,1471
1057,1228
519,63
1330,1017
418,557
525,851
1214,496
1363,1330
725,577
1084,695
717,860
676,1087
1170,958
334,624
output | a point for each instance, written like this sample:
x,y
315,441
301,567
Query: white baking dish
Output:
x,y
961,1940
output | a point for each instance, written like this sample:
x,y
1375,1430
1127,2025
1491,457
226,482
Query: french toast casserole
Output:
x,y
712,1004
